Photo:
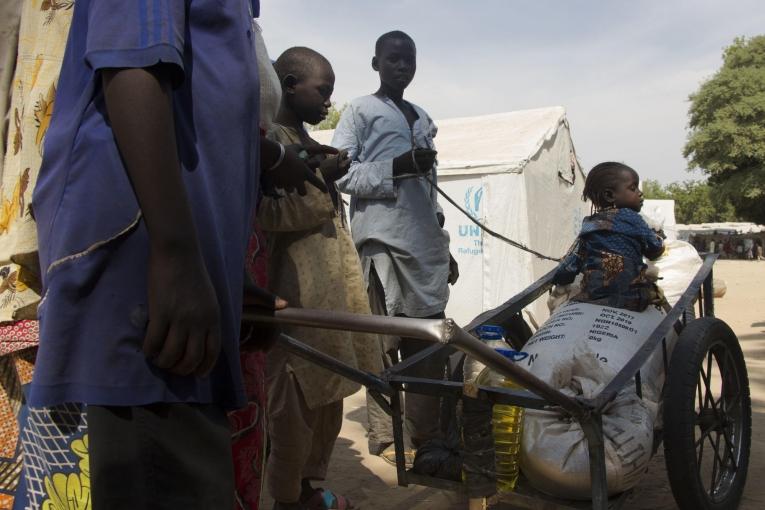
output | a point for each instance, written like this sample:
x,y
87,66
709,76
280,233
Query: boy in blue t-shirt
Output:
x,y
143,206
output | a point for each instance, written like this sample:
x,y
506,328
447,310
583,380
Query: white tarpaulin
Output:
x,y
730,228
662,212
516,172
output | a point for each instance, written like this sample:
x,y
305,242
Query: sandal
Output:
x,y
325,499
389,456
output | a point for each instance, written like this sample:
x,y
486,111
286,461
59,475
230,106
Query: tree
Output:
x,y
333,117
695,202
653,190
727,128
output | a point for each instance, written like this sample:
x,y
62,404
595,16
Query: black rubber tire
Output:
x,y
689,314
703,344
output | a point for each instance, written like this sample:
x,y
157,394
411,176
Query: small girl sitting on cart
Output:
x,y
610,248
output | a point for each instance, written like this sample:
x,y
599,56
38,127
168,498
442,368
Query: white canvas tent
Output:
x,y
517,173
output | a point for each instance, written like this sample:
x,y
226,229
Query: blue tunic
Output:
x,y
609,253
394,221
93,242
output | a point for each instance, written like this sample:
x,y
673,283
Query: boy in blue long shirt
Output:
x,y
396,222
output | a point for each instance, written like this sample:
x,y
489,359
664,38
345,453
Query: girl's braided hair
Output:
x,y
603,177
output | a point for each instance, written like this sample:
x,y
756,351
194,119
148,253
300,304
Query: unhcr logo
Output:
x,y
470,234
473,197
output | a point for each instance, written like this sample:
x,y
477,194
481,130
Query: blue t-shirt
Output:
x,y
93,242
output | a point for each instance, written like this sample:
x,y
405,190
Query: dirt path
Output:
x,y
370,483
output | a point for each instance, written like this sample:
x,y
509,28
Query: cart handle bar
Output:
x,y
444,331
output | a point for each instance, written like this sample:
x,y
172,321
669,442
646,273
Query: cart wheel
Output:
x,y
708,417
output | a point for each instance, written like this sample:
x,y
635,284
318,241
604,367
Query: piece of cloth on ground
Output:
x,y
302,438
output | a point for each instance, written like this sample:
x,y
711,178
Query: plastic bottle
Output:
x,y
494,337
507,422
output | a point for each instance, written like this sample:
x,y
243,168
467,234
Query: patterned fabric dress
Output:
x,y
15,372
318,267
58,443
56,461
248,425
609,254
42,40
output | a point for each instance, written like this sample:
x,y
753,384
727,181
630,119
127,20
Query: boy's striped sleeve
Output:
x,y
136,33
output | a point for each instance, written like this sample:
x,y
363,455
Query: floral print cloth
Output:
x,y
42,34
15,372
56,459
248,425
42,39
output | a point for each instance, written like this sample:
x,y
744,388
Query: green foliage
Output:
x,y
653,190
744,189
333,117
727,128
695,202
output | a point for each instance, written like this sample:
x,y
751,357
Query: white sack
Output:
x,y
677,266
578,351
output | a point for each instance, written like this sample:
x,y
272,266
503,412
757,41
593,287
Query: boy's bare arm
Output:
x,y
292,173
183,334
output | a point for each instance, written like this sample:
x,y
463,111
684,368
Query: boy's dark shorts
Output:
x,y
160,456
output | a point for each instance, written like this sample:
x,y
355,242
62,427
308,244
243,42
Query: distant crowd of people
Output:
x,y
730,247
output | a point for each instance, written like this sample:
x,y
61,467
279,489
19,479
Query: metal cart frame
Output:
x,y
447,337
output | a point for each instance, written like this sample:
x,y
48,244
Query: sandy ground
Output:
x,y
371,483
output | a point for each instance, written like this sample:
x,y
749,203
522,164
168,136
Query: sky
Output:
x,y
622,69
